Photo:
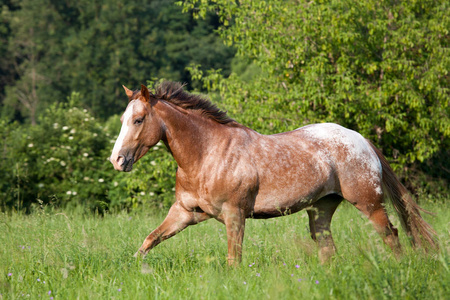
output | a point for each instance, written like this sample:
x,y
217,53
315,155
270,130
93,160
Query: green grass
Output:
x,y
75,255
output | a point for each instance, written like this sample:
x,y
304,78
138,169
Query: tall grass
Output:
x,y
70,255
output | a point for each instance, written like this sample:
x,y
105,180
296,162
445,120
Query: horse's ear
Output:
x,y
128,92
145,93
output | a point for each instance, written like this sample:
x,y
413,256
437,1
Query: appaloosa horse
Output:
x,y
229,172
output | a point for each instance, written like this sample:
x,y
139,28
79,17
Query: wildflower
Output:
x,y
69,192
317,281
74,193
119,290
116,183
38,279
245,282
85,154
9,274
86,178
297,266
65,127
258,274
299,279
62,163
55,125
101,180
49,293
284,264
153,163
142,193
70,137
30,145
73,131
94,134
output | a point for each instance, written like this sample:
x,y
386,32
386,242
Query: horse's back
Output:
x,y
352,156
346,148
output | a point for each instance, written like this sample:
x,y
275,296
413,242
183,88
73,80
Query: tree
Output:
x,y
7,74
378,67
94,47
29,43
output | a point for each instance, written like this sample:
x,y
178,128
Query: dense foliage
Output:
x,y
63,161
378,67
51,48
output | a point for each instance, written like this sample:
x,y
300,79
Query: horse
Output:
x,y
230,172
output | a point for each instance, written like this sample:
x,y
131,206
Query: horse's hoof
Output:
x,y
139,254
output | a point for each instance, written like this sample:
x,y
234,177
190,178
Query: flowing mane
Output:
x,y
174,93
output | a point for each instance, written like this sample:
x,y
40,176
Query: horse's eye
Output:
x,y
138,121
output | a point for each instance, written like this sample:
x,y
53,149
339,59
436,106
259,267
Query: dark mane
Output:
x,y
174,93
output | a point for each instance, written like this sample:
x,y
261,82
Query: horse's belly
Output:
x,y
274,208
283,195
284,202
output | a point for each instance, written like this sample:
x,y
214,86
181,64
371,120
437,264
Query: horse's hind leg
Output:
x,y
320,215
370,204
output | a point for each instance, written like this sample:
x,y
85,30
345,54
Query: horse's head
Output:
x,y
141,130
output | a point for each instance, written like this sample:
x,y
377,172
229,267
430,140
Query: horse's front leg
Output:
x,y
177,219
234,220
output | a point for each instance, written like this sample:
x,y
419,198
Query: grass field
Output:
x,y
70,255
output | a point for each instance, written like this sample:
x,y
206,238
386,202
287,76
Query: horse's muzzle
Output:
x,y
123,163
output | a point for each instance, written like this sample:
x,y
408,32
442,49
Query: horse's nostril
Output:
x,y
121,160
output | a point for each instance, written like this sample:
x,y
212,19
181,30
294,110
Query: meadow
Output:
x,y
54,254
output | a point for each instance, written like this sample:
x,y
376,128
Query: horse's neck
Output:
x,y
186,135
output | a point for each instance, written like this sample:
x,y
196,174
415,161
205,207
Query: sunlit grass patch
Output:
x,y
68,255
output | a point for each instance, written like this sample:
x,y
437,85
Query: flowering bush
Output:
x,y
64,161
61,160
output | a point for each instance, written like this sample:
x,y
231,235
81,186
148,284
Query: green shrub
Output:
x,y
63,161
59,161
378,67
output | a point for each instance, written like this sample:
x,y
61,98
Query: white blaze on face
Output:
x,y
123,132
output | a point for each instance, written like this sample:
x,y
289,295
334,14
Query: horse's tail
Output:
x,y
419,231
